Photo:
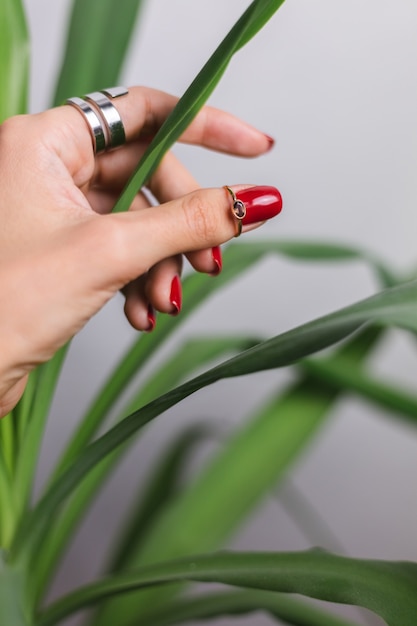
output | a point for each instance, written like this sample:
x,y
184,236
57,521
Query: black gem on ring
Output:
x,y
239,209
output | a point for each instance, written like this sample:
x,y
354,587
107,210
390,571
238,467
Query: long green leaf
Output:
x,y
7,505
396,306
210,606
46,380
14,59
228,488
163,485
193,355
341,375
12,609
386,588
98,39
205,514
253,19
196,289
8,441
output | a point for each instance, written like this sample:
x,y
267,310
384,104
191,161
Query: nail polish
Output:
x,y
216,253
271,142
175,296
261,202
151,318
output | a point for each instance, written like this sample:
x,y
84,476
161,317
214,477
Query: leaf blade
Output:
x,y
395,306
197,94
14,59
94,56
386,588
196,289
288,610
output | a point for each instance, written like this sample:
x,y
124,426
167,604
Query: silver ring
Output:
x,y
114,125
94,123
103,119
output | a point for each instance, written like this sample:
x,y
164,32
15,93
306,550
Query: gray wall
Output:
x,y
335,84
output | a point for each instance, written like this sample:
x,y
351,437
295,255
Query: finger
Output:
x,y
163,285
171,181
157,290
128,244
138,309
88,262
143,111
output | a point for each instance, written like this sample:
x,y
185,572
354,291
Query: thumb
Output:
x,y
133,242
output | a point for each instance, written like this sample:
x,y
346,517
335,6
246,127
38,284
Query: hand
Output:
x,y
63,254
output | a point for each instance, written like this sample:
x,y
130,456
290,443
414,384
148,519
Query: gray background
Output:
x,y
335,84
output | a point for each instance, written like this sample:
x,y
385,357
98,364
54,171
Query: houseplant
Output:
x,y
300,408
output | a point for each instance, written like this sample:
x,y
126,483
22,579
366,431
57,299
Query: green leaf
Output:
x,y
8,441
46,379
395,306
7,505
196,289
253,19
210,606
386,588
14,59
194,354
12,609
339,373
163,485
229,487
98,39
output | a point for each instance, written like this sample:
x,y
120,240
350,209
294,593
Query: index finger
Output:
x,y
143,110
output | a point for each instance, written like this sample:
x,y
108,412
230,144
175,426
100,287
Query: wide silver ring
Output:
x,y
103,119
114,126
94,123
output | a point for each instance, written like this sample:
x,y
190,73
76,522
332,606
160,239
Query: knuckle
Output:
x,y
113,236
201,217
107,237
12,129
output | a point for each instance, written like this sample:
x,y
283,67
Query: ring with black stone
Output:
x,y
238,210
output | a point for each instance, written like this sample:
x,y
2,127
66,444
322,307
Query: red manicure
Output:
x,y
261,203
151,318
217,258
271,142
175,296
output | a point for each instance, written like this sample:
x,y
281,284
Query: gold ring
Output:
x,y
238,210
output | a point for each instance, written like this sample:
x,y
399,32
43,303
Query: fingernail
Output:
x,y
217,258
262,203
175,296
151,318
271,141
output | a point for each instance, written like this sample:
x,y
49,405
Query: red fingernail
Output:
x,y
175,296
271,141
151,318
261,203
217,258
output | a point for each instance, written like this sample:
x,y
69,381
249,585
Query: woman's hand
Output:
x,y
63,254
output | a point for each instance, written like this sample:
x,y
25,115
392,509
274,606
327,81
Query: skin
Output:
x,y
63,254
